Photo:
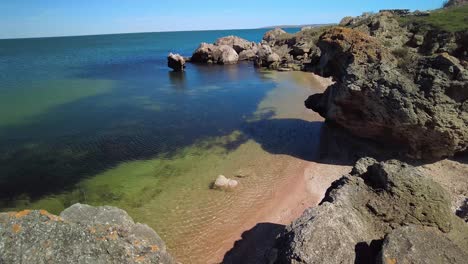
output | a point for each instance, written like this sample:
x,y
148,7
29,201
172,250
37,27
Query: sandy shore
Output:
x,y
303,186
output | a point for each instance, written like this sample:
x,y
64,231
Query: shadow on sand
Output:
x,y
255,245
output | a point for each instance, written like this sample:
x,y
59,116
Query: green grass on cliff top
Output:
x,y
452,19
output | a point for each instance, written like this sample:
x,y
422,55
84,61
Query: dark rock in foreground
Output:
x,y
423,109
82,234
176,62
375,202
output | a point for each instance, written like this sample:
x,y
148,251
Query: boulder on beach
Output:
x,y
369,205
224,183
176,62
81,234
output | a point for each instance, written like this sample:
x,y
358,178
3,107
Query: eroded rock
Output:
x,y
224,183
375,97
82,234
362,208
176,62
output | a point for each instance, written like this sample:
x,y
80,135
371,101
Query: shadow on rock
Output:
x,y
255,246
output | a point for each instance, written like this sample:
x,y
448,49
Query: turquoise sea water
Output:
x,y
73,107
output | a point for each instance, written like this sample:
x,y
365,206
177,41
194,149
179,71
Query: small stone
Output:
x,y
224,183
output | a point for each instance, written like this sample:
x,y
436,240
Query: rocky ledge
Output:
x,y
382,212
400,84
81,234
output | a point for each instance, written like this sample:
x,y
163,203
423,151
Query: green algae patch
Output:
x,y
132,184
23,105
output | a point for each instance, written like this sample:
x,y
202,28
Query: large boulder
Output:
x,y
365,206
423,110
225,54
176,62
204,53
237,43
81,234
274,34
209,53
266,57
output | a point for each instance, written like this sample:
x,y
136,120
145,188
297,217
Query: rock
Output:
x,y
176,62
209,53
452,3
362,208
224,183
274,34
204,53
375,97
248,54
237,43
346,21
414,244
82,234
225,54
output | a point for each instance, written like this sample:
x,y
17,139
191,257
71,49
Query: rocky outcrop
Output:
x,y
81,234
176,62
238,44
378,95
209,53
416,244
375,202
274,35
452,3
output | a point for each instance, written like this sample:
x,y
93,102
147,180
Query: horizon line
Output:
x,y
166,31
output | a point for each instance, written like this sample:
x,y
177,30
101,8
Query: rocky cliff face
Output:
x,y
383,212
420,104
81,234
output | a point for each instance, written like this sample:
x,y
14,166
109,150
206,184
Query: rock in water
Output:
x,y
374,97
224,183
237,43
225,54
209,53
176,62
362,208
82,234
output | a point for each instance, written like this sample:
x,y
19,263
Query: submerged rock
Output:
x,y
176,62
375,97
224,183
81,234
362,208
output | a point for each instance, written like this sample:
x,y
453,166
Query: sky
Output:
x,y
44,18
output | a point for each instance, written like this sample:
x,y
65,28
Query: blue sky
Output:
x,y
40,18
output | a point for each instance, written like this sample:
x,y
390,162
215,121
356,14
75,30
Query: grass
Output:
x,y
453,19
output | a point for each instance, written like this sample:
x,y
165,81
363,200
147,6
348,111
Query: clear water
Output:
x,y
72,107
102,120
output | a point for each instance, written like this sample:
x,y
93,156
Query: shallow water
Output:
x,y
101,120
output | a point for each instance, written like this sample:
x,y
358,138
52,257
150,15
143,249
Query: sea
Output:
x,y
102,120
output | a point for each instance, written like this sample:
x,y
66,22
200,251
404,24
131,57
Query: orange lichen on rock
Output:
x,y
50,216
363,47
22,214
390,261
154,248
16,228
